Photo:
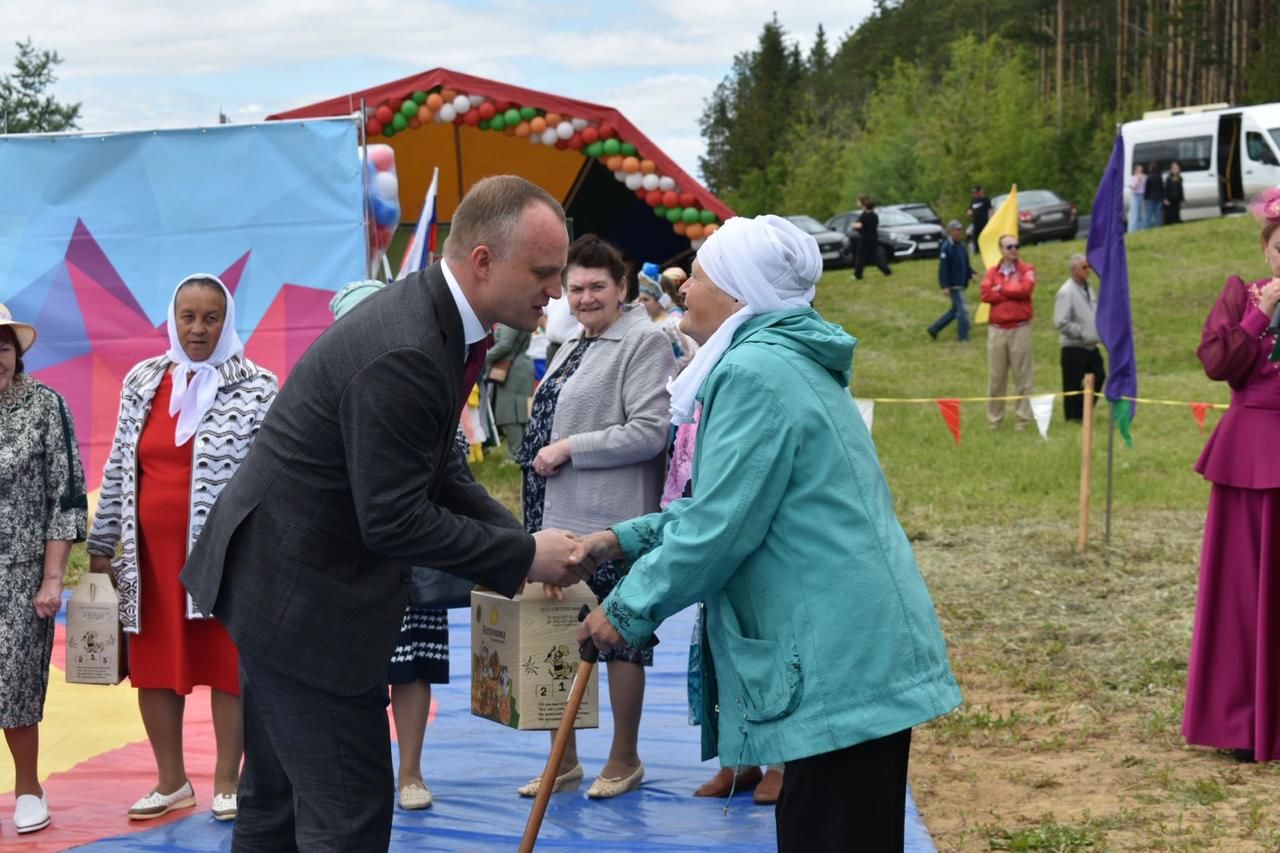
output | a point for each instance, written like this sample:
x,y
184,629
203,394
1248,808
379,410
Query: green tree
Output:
x,y
25,106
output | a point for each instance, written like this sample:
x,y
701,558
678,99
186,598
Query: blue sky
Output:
x,y
138,64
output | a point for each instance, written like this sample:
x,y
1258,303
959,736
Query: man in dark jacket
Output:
x,y
868,229
954,275
980,213
1173,195
306,555
1153,197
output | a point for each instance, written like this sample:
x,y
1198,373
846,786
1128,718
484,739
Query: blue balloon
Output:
x,y
384,214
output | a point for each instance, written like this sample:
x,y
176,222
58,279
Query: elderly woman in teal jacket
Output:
x,y
824,648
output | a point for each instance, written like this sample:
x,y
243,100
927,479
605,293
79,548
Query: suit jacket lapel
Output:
x,y
453,345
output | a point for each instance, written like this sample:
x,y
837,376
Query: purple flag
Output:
x,y
1107,256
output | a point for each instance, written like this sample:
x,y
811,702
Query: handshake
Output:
x,y
562,559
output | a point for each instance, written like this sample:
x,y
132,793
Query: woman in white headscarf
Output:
x,y
821,649
187,419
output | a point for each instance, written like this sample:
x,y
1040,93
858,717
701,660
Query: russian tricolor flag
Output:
x,y
421,251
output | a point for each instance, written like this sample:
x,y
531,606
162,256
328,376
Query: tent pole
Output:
x,y
1111,436
364,181
457,153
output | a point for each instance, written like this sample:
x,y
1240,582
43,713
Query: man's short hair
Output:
x,y
488,215
1077,258
1003,237
954,225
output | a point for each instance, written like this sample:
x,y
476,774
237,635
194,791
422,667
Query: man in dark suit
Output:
x,y
305,556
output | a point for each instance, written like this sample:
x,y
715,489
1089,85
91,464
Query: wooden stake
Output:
x,y
1086,464
580,681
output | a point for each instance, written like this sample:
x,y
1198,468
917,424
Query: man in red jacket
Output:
x,y
1007,287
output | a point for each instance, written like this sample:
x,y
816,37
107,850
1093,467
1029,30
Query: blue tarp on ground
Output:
x,y
473,768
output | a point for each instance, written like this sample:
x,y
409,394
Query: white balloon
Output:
x,y
634,181
650,182
666,184
564,130
535,139
461,104
386,187
697,244
549,136
447,113
579,123
476,100
620,176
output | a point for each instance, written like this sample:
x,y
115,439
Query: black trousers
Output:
x,y
1076,362
873,256
317,772
853,799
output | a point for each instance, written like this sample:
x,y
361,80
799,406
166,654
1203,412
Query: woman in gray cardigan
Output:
x,y
594,454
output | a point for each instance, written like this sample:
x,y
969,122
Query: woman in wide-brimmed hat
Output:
x,y
41,514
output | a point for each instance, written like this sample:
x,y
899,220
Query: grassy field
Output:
x,y
1073,666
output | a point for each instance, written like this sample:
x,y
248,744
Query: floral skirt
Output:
x,y
423,649
26,646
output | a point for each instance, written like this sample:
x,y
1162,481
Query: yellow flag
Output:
x,y
1003,221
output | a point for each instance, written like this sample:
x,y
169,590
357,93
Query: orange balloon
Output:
x,y
614,163
522,129
414,123
448,94
537,124
630,165
425,115
434,102
708,230
553,119
648,167
681,228
695,231
508,131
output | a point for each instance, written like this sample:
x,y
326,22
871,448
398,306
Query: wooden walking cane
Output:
x,y
589,654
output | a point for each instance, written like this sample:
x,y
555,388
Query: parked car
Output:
x,y
833,245
1043,215
901,235
919,209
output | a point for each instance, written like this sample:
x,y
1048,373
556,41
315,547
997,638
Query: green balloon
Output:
x,y
498,122
399,122
512,116
674,214
628,150
390,130
595,149
527,113
484,124
707,217
660,212
409,108
612,146
690,215
419,98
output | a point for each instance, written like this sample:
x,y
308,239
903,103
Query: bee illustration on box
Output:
x,y
561,659
92,643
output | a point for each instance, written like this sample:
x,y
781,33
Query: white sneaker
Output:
x,y
155,804
224,807
31,813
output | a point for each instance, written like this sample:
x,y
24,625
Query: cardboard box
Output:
x,y
95,641
524,655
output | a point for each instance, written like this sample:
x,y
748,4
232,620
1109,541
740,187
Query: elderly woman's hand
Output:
x,y
549,459
98,564
1270,297
48,600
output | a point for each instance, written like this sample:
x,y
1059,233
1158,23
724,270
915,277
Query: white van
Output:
x,y
1227,154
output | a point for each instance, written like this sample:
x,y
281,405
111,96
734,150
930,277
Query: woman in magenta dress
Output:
x,y
1233,678
187,420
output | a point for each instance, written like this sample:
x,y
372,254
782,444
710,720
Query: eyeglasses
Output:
x,y
1011,245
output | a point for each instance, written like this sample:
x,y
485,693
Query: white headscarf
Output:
x,y
766,263
195,383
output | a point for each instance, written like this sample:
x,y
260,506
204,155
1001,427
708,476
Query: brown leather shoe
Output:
x,y
769,788
722,783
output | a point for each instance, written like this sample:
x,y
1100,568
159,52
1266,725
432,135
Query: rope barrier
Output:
x,y
1146,400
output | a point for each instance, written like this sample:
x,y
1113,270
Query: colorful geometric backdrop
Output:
x,y
95,232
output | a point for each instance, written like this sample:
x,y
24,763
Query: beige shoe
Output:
x,y
224,807
156,804
415,796
566,781
603,789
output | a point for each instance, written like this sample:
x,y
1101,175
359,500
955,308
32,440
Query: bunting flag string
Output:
x,y
1041,409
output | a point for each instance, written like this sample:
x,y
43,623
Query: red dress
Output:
x,y
171,651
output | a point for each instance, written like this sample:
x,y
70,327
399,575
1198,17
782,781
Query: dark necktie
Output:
x,y
475,364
